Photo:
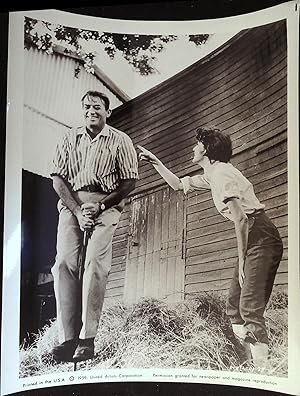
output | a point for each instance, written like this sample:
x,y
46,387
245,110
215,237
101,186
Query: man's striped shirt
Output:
x,y
102,161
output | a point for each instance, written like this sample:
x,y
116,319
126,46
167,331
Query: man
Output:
x,y
94,169
259,245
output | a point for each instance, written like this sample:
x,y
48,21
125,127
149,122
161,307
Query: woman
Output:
x,y
258,242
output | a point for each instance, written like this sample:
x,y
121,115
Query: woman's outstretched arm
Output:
x,y
173,181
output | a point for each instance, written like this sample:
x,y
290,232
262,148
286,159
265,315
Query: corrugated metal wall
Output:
x,y
242,90
52,96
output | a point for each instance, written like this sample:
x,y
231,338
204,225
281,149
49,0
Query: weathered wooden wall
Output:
x,y
241,88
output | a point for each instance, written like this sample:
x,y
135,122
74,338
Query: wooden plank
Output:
x,y
211,257
163,275
119,252
117,275
281,279
119,244
140,277
156,273
115,284
118,260
217,236
272,182
280,190
281,221
251,115
200,206
203,214
276,202
165,219
131,280
171,268
150,223
220,245
148,273
179,279
172,226
251,161
142,226
283,266
121,230
117,292
211,266
277,212
197,223
283,231
198,232
268,127
158,221
208,276
203,197
278,169
212,247
118,267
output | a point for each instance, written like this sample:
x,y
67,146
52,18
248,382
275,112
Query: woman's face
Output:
x,y
199,152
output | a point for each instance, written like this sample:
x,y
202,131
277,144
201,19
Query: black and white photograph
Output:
x,y
156,228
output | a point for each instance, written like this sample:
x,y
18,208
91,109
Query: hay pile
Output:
x,y
193,334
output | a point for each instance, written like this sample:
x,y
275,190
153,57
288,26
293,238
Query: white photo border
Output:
x,y
10,381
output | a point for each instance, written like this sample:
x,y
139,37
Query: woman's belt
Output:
x,y
256,213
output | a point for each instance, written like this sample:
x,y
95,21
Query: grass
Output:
x,y
194,334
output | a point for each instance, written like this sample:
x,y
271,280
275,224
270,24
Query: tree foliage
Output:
x,y
139,50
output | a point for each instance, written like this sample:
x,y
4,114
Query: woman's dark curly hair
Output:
x,y
217,144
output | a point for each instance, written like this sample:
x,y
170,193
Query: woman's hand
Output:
x,y
146,155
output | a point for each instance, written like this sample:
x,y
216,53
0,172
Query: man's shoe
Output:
x,y
64,352
84,350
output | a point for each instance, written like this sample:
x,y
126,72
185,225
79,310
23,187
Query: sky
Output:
x,y
175,57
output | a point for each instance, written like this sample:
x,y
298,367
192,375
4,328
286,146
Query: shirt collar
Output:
x,y
208,172
105,131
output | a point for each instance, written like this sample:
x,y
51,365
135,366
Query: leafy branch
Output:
x,y
139,50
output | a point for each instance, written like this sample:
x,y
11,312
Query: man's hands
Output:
x,y
147,156
86,215
90,209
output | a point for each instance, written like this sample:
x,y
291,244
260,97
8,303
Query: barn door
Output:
x,y
156,254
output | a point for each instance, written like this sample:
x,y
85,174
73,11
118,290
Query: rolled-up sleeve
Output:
x,y
192,183
127,159
59,164
226,183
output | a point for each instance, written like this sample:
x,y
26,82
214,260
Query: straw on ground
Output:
x,y
194,334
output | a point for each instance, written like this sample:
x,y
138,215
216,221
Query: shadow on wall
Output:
x,y
39,223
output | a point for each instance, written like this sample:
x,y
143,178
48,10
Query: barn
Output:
x,y
168,245
171,246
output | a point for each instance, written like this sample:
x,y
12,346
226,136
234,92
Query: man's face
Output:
x,y
94,111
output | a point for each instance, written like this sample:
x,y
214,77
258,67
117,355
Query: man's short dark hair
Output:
x,y
217,144
97,94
